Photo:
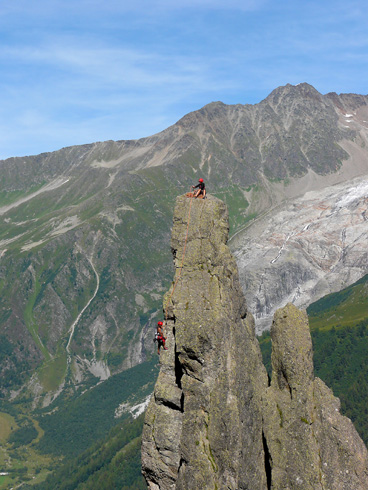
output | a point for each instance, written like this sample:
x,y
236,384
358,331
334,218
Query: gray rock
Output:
x,y
310,444
213,421
304,249
213,366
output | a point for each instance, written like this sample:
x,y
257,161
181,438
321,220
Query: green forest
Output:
x,y
76,425
81,442
99,450
112,463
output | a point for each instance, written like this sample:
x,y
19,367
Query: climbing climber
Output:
x,y
161,339
201,193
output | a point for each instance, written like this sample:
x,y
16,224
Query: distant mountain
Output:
x,y
84,236
304,249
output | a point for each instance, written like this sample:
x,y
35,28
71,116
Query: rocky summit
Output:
x,y
205,412
214,420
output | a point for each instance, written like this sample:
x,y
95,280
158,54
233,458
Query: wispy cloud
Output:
x,y
75,72
110,65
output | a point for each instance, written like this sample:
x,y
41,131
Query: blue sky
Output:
x,y
79,71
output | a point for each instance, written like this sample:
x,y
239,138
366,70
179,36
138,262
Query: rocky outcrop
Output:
x,y
213,421
310,444
203,427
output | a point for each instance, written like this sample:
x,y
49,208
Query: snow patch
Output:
x,y
282,247
31,245
140,301
111,179
135,410
106,164
155,296
125,208
48,187
354,194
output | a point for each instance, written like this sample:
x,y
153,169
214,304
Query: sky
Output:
x,y
79,71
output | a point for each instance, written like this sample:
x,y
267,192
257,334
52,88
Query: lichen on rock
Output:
x,y
214,422
310,444
213,437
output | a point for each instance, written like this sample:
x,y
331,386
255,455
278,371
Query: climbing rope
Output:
x,y
182,259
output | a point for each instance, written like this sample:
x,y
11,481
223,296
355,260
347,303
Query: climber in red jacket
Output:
x,y
160,337
201,193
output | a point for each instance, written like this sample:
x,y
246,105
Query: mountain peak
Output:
x,y
301,90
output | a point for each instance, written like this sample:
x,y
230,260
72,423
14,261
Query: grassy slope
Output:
x,y
342,309
79,439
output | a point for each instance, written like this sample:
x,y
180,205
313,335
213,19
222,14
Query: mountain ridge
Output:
x,y
105,220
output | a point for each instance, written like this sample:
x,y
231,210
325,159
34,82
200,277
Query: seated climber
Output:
x,y
201,193
160,337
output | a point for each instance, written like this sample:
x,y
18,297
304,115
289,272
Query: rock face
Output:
x,y
203,427
213,421
304,249
311,445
